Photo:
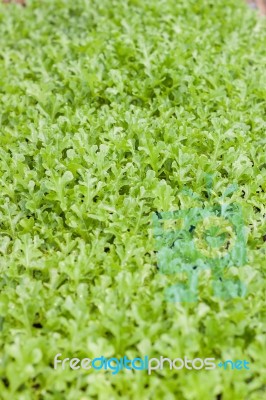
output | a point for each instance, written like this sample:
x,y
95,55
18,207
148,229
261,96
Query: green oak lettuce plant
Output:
x,y
108,109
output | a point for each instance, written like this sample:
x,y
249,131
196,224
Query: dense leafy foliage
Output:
x,y
108,110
